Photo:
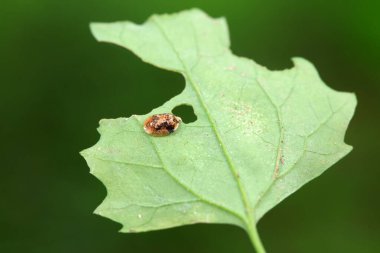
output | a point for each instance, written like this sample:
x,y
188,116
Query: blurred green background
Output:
x,y
57,82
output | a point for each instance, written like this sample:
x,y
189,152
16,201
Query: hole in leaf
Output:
x,y
186,112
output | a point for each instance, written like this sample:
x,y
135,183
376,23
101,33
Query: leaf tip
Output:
x,y
94,26
106,32
303,64
83,153
354,98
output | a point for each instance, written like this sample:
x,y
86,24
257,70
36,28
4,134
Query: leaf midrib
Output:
x,y
248,220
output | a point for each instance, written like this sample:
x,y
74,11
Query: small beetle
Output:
x,y
161,124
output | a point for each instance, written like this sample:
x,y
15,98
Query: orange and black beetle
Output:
x,y
161,124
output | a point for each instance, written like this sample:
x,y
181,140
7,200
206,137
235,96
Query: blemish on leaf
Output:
x,y
250,121
230,68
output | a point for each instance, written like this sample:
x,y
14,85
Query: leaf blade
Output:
x,y
259,135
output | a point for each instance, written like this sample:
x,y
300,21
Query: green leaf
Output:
x,y
259,135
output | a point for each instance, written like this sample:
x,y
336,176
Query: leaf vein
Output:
x,y
187,74
225,209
